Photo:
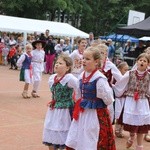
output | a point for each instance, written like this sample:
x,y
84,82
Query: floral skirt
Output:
x,y
106,137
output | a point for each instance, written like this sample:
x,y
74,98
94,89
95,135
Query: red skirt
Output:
x,y
106,139
136,129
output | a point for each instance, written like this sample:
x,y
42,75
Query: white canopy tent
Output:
x,y
17,24
24,25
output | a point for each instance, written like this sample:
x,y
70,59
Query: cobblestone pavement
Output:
x,y
21,122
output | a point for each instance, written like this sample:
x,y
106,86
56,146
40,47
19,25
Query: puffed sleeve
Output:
x,y
74,83
51,80
20,60
115,72
121,86
104,91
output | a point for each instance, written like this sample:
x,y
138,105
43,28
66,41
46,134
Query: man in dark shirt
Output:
x,y
139,49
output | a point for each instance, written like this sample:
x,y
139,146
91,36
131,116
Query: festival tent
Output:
x,y
24,25
120,38
139,29
144,38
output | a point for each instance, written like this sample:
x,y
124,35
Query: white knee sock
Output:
x,y
36,85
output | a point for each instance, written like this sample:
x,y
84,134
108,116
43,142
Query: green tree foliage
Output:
x,y
98,16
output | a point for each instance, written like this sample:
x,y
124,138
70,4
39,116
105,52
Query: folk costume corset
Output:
x,y
108,74
62,95
89,99
139,85
27,62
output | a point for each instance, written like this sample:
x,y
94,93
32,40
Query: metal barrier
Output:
x,y
130,60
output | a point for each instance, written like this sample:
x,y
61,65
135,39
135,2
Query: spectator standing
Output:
x,y
5,52
68,48
127,49
91,39
47,34
59,47
111,50
12,40
20,42
2,45
36,36
49,55
12,56
5,39
139,49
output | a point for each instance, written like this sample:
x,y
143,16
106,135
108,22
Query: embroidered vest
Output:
x,y
62,96
141,84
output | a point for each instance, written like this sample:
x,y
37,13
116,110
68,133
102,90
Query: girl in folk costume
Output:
x,y
147,51
58,117
38,55
147,136
77,56
91,127
109,70
135,85
25,73
119,102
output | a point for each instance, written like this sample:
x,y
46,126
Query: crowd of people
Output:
x,y
89,92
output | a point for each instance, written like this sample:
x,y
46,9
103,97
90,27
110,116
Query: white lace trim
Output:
x,y
54,137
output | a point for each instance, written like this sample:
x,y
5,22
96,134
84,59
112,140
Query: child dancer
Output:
x,y
58,117
147,136
91,129
147,51
119,102
110,71
25,73
38,55
135,85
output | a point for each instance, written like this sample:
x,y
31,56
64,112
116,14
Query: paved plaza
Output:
x,y
21,122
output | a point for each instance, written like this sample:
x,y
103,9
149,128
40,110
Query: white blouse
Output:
x,y
114,70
